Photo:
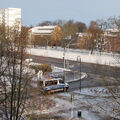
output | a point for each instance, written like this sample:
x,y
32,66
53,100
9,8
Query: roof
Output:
x,y
42,30
81,34
112,30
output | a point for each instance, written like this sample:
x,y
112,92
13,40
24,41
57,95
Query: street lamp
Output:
x,y
64,56
64,64
79,60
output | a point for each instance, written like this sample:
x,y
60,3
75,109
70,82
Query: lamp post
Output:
x,y
79,60
65,46
64,63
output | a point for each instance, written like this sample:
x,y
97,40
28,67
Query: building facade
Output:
x,y
45,35
11,17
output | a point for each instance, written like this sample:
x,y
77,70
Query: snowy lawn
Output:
x,y
95,103
96,99
61,105
104,58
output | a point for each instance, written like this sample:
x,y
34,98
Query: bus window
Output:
x,y
54,82
48,83
61,81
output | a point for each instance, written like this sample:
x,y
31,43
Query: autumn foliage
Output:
x,y
56,36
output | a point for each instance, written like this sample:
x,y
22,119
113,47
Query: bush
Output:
x,y
45,68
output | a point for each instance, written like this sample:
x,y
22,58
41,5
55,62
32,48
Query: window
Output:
x,y
49,83
61,81
54,82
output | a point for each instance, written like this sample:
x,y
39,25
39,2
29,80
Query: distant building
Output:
x,y
112,32
11,17
42,30
80,35
112,36
0,18
43,35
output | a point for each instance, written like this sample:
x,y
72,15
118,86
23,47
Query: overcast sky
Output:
x,y
36,11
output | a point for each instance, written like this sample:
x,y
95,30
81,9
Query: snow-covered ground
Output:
x,y
100,91
70,54
94,104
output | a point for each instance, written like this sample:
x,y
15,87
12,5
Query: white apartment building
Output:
x,y
11,17
0,18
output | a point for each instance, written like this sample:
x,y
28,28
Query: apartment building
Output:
x,y
11,17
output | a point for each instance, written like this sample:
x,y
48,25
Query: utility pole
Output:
x,y
79,60
65,46
64,64
64,60
80,74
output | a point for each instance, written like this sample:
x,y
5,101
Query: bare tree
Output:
x,y
13,77
111,33
94,36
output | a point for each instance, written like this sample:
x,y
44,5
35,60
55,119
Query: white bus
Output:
x,y
53,85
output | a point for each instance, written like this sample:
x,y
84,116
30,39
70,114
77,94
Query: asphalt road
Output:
x,y
98,75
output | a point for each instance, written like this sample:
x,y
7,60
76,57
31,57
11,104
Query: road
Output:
x,y
98,75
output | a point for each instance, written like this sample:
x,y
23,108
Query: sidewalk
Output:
x,y
70,75
83,75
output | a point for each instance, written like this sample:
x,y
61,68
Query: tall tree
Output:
x,y
13,81
69,28
81,27
94,35
45,23
56,36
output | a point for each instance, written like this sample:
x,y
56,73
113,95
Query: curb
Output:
x,y
82,77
